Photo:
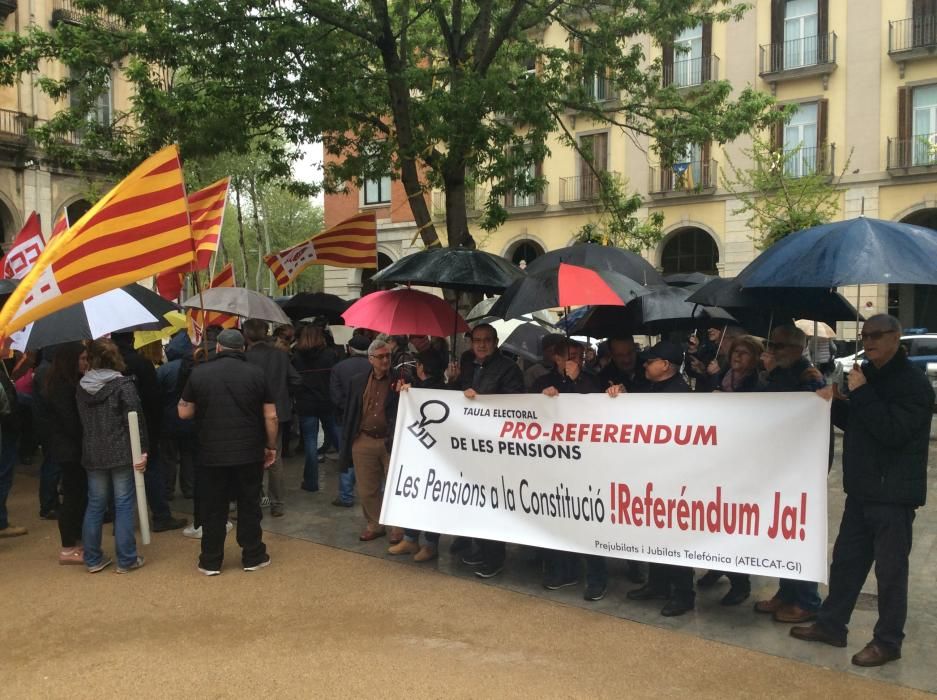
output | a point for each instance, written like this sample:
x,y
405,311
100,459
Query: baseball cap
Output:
x,y
231,339
665,350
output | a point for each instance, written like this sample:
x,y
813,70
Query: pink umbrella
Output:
x,y
405,312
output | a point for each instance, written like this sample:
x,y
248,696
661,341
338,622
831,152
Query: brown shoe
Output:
x,y
875,654
13,531
793,613
815,633
404,547
396,535
769,607
369,535
426,553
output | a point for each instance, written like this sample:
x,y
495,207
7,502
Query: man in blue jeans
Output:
x,y
787,370
342,373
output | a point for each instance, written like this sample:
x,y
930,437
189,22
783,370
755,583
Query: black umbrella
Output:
x,y
309,304
692,280
814,303
565,285
663,310
459,269
599,257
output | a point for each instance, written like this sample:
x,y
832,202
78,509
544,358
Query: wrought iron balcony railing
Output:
x,y
694,177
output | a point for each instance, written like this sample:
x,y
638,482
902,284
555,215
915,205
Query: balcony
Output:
x,y
7,8
798,58
68,12
912,39
474,202
13,128
581,191
802,162
690,72
913,156
520,203
683,179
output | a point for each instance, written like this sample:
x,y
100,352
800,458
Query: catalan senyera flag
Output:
x,y
206,209
197,324
352,243
138,229
61,225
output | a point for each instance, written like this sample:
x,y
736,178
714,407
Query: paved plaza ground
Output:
x,y
324,621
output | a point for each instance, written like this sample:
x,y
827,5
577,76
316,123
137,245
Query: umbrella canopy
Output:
x,y
482,312
688,279
814,303
520,337
308,304
121,309
405,312
822,330
238,301
664,309
459,269
175,322
598,257
566,285
857,251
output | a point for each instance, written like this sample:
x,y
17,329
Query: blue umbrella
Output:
x,y
857,251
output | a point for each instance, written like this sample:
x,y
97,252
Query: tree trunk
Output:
x,y
456,214
237,201
255,209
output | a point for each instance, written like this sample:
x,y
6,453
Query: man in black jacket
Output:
x,y
339,386
886,420
282,379
236,421
490,372
666,581
625,368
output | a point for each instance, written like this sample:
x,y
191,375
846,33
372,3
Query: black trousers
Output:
x,y
74,500
675,581
870,532
492,552
215,484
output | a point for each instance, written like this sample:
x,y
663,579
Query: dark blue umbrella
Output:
x,y
857,251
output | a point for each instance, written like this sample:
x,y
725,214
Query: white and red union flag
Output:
x,y
24,250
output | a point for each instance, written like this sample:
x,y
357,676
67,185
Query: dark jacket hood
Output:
x,y
179,347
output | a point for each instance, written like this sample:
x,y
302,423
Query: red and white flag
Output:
x,y
24,250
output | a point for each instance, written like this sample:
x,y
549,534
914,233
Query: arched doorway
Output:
x,y
7,225
915,305
366,285
77,209
524,252
689,249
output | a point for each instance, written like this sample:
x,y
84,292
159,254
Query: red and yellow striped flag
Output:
x,y
197,324
61,224
139,228
206,209
352,243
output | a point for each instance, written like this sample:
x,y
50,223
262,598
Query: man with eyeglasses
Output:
x,y
367,429
490,372
886,419
786,369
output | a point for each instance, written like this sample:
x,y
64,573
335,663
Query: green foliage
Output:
x,y
430,91
780,198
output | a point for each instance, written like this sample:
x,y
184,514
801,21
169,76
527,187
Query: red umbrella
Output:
x,y
580,286
405,312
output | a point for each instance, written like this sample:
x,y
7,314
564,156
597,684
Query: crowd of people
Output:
x,y
217,418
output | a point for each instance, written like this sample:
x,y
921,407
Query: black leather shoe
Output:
x,y
676,606
170,524
633,572
460,544
735,596
875,654
709,579
646,592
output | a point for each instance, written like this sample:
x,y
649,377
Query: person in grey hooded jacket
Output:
x,y
105,397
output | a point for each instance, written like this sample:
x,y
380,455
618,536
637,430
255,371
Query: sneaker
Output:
x,y
264,502
209,572
13,531
339,503
127,569
72,555
277,511
106,562
169,524
555,582
191,531
261,565
49,515
473,558
595,591
489,570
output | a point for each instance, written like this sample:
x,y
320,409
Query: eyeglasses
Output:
x,y
382,356
875,335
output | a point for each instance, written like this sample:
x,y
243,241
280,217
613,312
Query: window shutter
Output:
x,y
706,58
538,173
823,31
777,134
776,53
822,160
905,115
600,146
707,176
667,63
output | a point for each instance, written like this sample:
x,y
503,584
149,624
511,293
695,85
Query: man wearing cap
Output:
x,y
665,581
339,385
236,422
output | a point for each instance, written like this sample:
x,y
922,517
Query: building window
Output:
x,y
924,125
377,190
800,135
690,250
525,253
688,57
100,112
801,25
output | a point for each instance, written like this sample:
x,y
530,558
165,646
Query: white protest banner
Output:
x,y
734,482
